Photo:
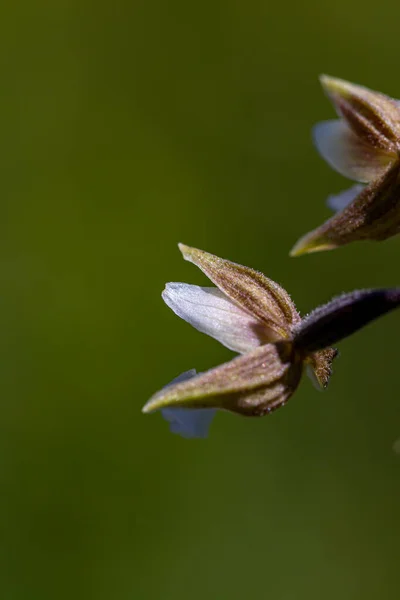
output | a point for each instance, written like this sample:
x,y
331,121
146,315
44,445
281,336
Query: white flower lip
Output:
x,y
210,311
348,154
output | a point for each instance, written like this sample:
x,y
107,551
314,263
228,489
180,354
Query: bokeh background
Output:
x,y
125,128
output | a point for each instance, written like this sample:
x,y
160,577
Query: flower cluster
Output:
x,y
255,317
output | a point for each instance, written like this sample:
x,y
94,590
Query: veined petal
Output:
x,y
252,384
210,311
373,215
338,202
252,291
372,116
188,423
348,154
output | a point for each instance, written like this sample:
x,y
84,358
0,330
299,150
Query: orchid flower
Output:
x,y
363,145
255,317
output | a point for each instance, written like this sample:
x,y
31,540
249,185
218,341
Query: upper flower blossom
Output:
x,y
254,316
363,145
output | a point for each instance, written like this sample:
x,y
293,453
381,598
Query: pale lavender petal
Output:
x,y
186,422
210,311
338,202
348,154
189,423
311,374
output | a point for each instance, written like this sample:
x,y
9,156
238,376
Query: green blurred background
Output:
x,y
125,128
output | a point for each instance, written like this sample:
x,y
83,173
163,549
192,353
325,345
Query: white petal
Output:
x,y
347,154
186,422
213,313
338,202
